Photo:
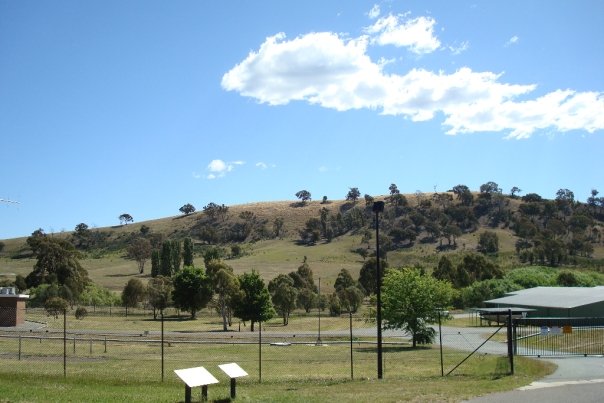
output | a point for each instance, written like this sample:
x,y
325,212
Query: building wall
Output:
x,y
12,311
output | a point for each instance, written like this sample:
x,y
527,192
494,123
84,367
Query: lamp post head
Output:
x,y
378,206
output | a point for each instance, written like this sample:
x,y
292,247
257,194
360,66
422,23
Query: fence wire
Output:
x,y
107,344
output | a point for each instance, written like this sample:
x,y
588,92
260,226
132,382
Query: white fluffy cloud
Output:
x,y
374,12
512,41
417,34
329,70
219,168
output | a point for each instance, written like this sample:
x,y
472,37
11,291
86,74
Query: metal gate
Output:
x,y
554,337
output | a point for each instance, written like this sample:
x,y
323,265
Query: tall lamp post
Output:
x,y
378,207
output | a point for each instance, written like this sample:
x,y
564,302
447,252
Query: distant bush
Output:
x,y
480,291
529,277
81,313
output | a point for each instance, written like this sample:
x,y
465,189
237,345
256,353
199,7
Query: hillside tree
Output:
x,y
253,302
133,294
155,263
411,302
57,261
159,294
284,295
176,256
125,218
304,196
353,195
187,252
187,209
165,259
140,250
192,290
488,242
368,274
226,286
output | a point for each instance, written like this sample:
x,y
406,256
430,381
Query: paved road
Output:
x,y
577,379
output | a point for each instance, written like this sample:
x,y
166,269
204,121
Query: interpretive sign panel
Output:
x,y
233,370
198,376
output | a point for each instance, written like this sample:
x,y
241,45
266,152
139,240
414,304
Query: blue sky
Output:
x,y
111,107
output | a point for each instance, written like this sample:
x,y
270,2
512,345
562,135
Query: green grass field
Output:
x,y
303,377
110,359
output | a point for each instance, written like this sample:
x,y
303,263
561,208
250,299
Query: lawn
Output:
x,y
294,383
110,358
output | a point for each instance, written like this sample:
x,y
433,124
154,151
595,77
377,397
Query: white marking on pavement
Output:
x,y
541,385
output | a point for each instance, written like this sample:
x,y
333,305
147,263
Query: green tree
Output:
x,y
451,231
278,227
140,250
56,306
284,295
411,302
133,294
353,195
488,242
226,286
192,290
368,274
165,259
253,302
567,279
82,237
344,280
351,298
57,261
445,270
155,263
490,188
94,295
513,192
307,299
125,218
463,194
304,196
478,268
187,252
175,256
187,209
335,306
159,293
311,233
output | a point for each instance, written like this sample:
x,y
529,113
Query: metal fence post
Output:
x,y
351,359
65,343
260,353
510,342
162,345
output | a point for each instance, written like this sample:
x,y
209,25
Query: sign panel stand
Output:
x,y
193,377
233,371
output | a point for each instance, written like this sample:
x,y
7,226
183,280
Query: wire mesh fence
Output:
x,y
559,336
107,344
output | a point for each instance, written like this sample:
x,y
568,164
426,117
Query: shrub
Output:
x,y
81,313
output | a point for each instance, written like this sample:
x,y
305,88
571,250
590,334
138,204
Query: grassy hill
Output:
x,y
275,237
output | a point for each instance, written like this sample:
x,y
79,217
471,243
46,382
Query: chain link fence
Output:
x,y
110,343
